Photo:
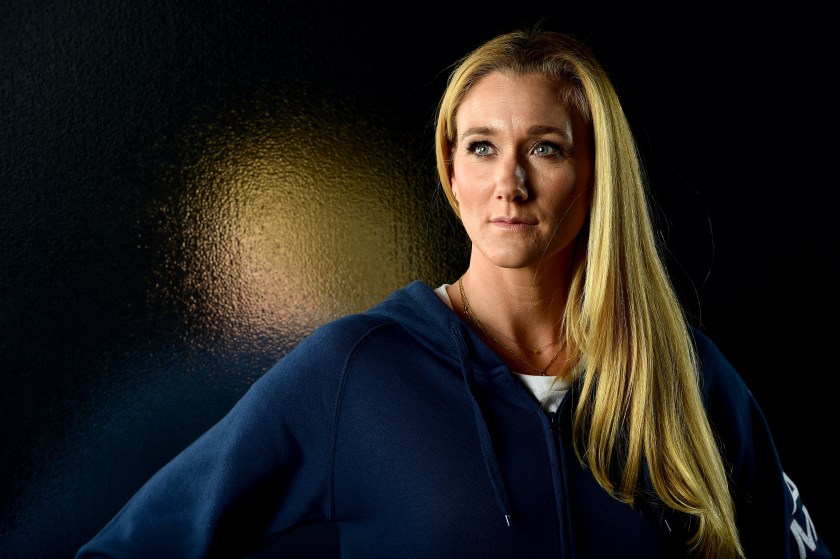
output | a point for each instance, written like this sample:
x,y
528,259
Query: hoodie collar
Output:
x,y
419,309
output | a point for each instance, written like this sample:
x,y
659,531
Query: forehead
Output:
x,y
506,96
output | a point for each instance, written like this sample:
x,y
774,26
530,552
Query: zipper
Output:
x,y
554,422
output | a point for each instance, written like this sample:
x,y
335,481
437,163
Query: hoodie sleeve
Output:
x,y
262,470
772,518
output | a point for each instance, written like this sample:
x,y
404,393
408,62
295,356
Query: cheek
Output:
x,y
577,203
469,199
460,184
568,208
577,210
468,182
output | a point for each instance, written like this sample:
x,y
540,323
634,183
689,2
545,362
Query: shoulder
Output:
x,y
341,336
720,380
326,352
734,413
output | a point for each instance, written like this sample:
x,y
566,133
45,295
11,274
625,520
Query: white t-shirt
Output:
x,y
548,390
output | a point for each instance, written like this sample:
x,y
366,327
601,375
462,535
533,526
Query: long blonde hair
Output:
x,y
640,401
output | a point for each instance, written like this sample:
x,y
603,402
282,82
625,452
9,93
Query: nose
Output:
x,y
511,183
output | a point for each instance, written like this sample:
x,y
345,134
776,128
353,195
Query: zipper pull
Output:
x,y
554,421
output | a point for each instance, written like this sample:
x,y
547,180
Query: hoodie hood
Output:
x,y
418,309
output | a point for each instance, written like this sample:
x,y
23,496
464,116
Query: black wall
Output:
x,y
190,187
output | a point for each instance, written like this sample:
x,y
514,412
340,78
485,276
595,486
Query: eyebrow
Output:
x,y
537,130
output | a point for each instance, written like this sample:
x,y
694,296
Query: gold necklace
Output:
x,y
477,322
534,350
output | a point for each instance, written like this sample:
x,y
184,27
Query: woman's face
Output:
x,y
521,171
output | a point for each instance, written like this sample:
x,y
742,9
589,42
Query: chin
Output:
x,y
513,261
522,258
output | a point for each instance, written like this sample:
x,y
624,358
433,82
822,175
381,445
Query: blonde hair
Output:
x,y
640,403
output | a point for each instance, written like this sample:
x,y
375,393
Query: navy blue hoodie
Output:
x,y
403,427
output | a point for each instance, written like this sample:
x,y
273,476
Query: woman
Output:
x,y
551,402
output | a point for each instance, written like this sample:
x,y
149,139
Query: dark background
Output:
x,y
191,187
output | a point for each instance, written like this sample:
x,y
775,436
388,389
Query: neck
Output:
x,y
514,356
516,308
524,306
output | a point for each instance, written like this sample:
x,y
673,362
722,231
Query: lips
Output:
x,y
513,221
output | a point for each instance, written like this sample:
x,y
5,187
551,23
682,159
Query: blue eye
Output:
x,y
480,148
545,149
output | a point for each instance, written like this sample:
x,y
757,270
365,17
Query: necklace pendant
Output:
x,y
535,351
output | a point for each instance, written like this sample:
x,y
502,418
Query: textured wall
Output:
x,y
191,187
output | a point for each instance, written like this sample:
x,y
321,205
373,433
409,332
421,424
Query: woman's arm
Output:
x,y
772,518
262,470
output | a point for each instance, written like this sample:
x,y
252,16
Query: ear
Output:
x,y
453,185
453,182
